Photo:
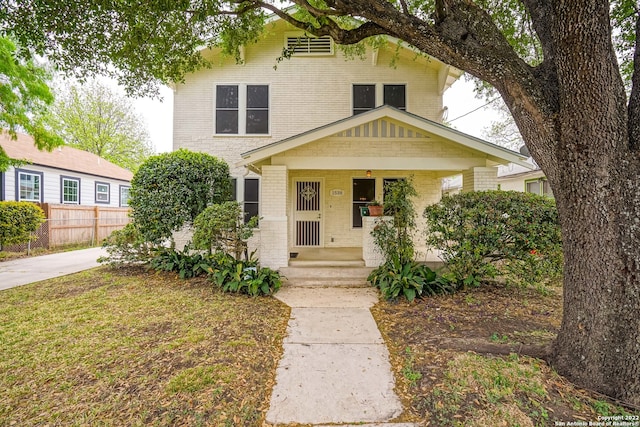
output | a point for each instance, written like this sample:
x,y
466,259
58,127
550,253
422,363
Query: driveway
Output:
x,y
34,269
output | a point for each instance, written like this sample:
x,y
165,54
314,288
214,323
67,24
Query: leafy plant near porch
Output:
x,y
400,274
221,230
497,233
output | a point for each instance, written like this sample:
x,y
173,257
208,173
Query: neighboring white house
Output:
x,y
318,136
511,177
63,176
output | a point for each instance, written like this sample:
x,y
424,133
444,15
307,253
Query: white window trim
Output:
x,y
108,193
242,110
40,175
69,178
122,187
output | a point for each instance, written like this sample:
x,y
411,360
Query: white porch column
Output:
x,y
273,225
479,179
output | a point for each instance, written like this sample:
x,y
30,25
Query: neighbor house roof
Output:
x,y
498,153
64,157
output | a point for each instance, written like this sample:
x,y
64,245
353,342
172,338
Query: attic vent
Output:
x,y
305,45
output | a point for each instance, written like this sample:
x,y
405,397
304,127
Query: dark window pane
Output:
x,y
227,97
234,189
250,210
364,98
364,190
227,121
357,217
257,121
251,190
394,95
257,96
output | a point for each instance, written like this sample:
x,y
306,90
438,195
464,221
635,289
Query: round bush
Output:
x,y
18,221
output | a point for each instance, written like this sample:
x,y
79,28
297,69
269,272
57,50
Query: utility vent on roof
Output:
x,y
305,45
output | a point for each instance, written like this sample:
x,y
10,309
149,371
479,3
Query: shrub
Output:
x,y
18,222
169,191
127,246
221,227
185,263
489,233
411,280
395,238
246,277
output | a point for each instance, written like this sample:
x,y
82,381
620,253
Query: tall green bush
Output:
x,y
169,191
221,227
489,233
18,222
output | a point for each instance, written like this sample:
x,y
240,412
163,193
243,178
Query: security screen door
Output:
x,y
308,213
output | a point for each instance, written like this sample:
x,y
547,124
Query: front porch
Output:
x,y
326,257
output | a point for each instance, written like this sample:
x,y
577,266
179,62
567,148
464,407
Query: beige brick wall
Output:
x,y
479,179
303,94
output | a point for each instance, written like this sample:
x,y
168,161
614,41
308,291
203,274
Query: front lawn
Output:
x,y
129,347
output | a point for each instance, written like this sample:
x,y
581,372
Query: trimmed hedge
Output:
x,y
18,221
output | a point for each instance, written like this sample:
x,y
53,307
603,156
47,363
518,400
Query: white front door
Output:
x,y
308,212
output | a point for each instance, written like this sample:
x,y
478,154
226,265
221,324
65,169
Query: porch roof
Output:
x,y
418,129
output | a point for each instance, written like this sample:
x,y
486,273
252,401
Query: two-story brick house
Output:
x,y
312,138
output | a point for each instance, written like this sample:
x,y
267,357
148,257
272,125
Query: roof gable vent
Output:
x,y
304,45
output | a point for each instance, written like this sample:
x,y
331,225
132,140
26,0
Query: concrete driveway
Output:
x,y
34,269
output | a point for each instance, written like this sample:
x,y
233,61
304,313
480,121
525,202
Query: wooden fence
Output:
x,y
75,225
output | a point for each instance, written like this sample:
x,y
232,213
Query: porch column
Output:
x,y
479,179
273,225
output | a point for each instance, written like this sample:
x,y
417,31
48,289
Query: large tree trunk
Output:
x,y
571,111
596,186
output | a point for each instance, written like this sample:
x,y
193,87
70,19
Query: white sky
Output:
x,y
459,99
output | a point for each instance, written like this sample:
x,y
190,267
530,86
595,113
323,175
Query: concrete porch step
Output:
x,y
325,263
347,276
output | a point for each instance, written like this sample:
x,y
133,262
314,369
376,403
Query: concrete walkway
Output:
x,y
335,368
34,269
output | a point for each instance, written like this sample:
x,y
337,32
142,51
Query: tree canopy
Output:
x,y
554,63
24,99
93,117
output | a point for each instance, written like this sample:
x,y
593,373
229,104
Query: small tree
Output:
x,y
221,227
18,222
482,234
395,238
169,191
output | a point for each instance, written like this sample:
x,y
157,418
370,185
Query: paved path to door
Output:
x,y
34,269
335,368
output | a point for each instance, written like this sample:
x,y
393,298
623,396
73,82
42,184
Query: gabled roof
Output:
x,y
429,127
64,157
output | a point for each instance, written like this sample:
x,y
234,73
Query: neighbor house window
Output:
x,y
251,198
103,191
69,190
364,191
538,186
124,195
367,96
242,110
29,185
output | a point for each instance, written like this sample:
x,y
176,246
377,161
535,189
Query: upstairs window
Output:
x,y
303,45
364,98
395,95
367,96
242,110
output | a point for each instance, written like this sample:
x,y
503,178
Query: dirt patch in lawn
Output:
x,y
464,360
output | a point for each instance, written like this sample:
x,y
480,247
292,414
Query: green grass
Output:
x,y
135,348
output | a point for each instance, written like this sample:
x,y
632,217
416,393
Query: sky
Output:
x,y
459,99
